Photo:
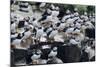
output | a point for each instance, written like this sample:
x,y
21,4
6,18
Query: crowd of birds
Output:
x,y
39,27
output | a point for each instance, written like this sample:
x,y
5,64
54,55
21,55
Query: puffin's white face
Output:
x,y
53,52
36,55
87,49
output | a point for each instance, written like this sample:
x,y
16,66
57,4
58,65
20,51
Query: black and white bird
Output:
x,y
66,17
39,33
53,33
36,57
73,42
27,34
91,52
23,6
13,27
53,59
55,12
17,40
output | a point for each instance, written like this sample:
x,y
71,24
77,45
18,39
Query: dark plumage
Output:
x,y
20,35
21,24
58,24
90,33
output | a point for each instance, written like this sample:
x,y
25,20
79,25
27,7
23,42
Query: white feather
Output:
x,y
26,34
35,57
42,4
53,33
39,33
73,41
52,54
